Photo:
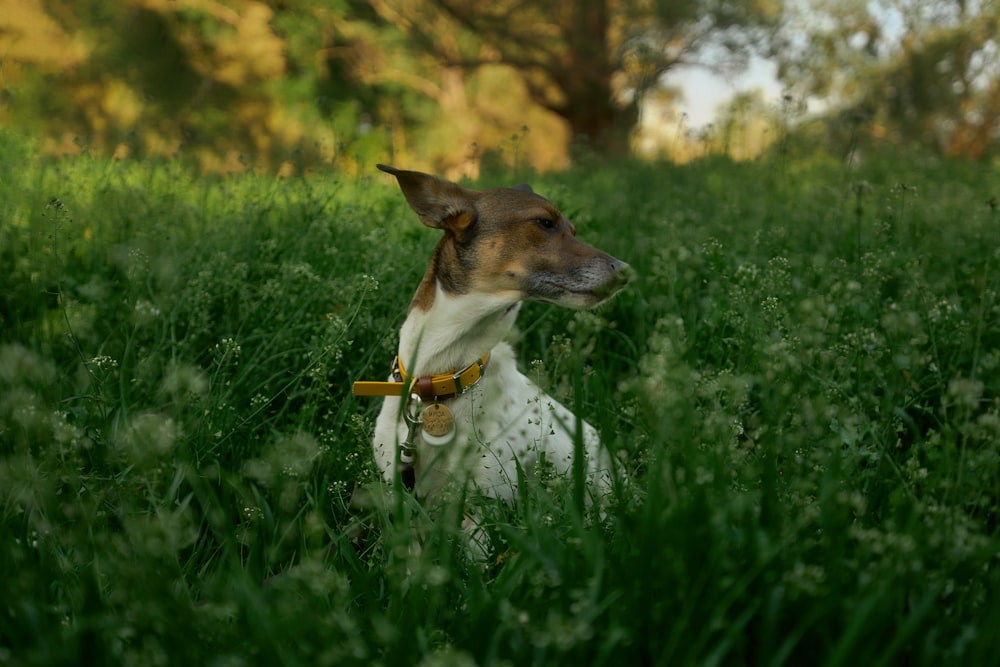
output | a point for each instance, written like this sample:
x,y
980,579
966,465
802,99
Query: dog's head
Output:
x,y
510,243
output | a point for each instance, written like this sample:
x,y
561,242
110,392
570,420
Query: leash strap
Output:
x,y
365,388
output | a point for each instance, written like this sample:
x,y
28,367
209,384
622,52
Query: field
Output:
x,y
803,386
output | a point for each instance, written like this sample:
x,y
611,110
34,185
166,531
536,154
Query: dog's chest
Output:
x,y
504,424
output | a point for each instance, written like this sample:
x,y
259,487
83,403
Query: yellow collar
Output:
x,y
428,387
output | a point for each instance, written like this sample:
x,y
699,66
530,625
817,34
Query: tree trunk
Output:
x,y
584,74
602,125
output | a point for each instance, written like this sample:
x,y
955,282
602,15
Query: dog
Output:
x,y
457,412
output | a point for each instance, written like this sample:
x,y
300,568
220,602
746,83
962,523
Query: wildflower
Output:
x,y
104,363
861,188
285,466
965,392
149,437
20,365
227,351
183,381
144,312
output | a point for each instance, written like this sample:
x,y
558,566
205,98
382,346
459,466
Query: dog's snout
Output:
x,y
621,270
615,275
618,266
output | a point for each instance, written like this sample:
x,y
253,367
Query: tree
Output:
x,y
590,63
439,83
919,72
155,77
267,83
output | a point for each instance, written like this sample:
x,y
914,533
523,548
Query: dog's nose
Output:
x,y
618,275
622,271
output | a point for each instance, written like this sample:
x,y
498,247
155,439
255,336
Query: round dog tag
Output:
x,y
437,423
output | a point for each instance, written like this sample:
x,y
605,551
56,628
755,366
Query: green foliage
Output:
x,y
282,85
801,387
918,73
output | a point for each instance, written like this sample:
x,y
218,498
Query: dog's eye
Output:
x,y
546,223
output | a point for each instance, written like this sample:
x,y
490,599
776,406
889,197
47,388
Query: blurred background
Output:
x,y
453,86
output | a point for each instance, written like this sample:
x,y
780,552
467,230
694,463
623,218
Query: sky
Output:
x,y
705,92
662,129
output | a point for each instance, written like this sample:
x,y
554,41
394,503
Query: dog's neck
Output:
x,y
451,331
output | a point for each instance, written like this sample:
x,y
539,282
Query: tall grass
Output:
x,y
802,387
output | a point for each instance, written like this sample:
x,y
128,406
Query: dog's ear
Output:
x,y
440,204
524,187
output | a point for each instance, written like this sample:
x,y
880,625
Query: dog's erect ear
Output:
x,y
440,204
524,187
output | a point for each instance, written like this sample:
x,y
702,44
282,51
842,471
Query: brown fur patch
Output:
x,y
424,297
502,240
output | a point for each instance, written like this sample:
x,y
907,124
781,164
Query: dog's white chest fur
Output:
x,y
503,423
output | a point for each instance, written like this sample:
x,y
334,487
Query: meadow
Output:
x,y
802,385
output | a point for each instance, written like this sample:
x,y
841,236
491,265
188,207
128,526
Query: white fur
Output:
x,y
504,421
